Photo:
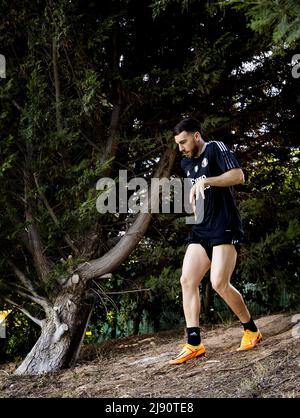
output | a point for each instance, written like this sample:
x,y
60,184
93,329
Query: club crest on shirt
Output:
x,y
204,162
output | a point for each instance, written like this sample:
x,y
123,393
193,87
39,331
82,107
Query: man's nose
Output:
x,y
181,148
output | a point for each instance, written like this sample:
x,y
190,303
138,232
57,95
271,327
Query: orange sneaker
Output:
x,y
250,340
188,352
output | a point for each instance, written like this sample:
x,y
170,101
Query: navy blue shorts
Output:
x,y
208,244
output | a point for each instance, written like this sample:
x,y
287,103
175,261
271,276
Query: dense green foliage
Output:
x,y
95,87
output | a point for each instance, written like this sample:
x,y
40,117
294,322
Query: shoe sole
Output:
x,y
183,360
251,346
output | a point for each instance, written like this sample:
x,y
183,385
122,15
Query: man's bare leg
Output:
x,y
222,266
195,265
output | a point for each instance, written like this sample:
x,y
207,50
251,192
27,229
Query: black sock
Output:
x,y
193,335
250,325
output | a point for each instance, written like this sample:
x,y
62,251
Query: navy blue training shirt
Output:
x,y
220,215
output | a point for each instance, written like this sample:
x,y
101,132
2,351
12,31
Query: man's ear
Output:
x,y
197,136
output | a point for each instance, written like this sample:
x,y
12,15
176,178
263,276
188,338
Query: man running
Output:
x,y
213,170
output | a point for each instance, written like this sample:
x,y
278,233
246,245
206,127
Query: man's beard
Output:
x,y
193,152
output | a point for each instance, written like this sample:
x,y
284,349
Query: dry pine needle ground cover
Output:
x,y
136,367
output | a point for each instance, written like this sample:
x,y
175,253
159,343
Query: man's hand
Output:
x,y
197,189
229,178
195,192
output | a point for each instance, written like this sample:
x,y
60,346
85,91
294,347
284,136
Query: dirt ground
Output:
x,y
137,367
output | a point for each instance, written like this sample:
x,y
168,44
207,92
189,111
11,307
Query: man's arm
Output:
x,y
230,178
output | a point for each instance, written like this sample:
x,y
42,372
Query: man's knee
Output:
x,y
188,281
219,285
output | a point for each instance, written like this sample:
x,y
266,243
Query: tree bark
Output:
x,y
62,332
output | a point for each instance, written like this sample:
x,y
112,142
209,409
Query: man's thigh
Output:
x,y
195,262
223,262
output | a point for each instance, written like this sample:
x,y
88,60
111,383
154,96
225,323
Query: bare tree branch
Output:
x,y
53,216
17,105
46,304
117,94
15,220
111,146
129,291
91,143
21,276
42,265
57,86
25,312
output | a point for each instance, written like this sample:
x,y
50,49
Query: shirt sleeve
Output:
x,y
224,157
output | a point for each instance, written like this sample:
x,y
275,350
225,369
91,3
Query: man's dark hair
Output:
x,y
188,125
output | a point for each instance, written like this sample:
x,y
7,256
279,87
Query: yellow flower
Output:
x,y
4,314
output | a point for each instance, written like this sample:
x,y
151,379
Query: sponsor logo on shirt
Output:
x,y
204,162
194,181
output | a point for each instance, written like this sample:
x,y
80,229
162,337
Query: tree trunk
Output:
x,y
208,304
137,319
62,333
